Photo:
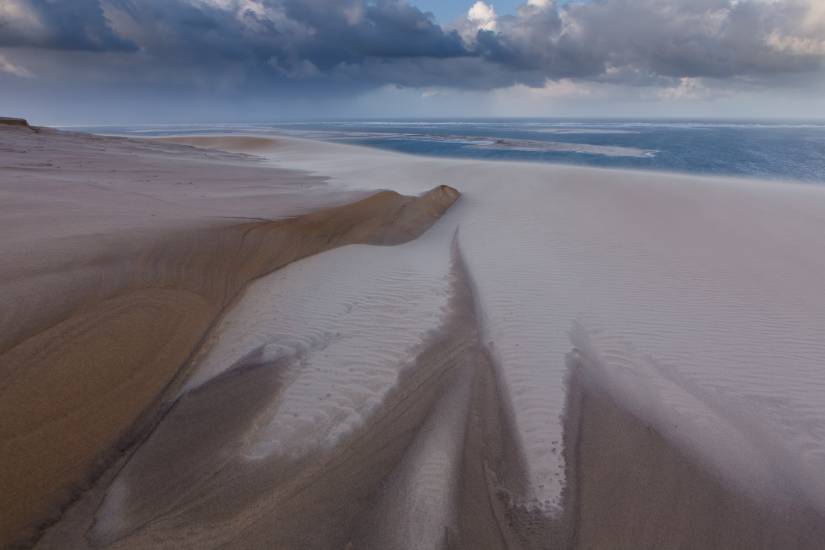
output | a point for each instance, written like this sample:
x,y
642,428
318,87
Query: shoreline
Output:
x,y
227,142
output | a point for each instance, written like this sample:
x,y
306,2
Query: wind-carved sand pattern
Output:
x,y
568,358
714,282
307,449
115,272
344,325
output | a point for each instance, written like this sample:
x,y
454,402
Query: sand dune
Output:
x,y
699,298
568,358
102,308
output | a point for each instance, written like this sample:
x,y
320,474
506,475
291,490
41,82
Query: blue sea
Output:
x,y
789,150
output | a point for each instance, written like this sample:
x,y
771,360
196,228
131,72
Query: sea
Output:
x,y
781,150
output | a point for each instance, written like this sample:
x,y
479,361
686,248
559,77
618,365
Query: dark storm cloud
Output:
x,y
311,44
69,25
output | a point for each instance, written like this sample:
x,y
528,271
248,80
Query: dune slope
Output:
x,y
112,319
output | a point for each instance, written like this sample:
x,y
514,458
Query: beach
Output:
x,y
253,342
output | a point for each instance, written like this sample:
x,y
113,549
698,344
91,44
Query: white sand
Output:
x,y
716,281
347,323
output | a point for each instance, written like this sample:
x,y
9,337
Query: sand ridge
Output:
x,y
84,369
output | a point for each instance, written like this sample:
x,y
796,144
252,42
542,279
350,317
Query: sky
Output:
x,y
447,11
181,61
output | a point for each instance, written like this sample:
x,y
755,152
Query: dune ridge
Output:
x,y
88,372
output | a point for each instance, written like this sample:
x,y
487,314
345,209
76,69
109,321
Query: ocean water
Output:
x,y
771,150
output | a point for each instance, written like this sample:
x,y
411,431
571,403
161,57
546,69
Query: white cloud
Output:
x,y
7,66
688,88
482,16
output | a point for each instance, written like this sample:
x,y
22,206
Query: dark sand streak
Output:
x,y
636,490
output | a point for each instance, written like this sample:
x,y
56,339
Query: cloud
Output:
x,y
342,46
6,66
661,38
60,24
481,17
687,88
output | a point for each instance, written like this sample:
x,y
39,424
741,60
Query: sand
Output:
x,y
635,489
415,464
566,358
118,257
695,301
15,122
